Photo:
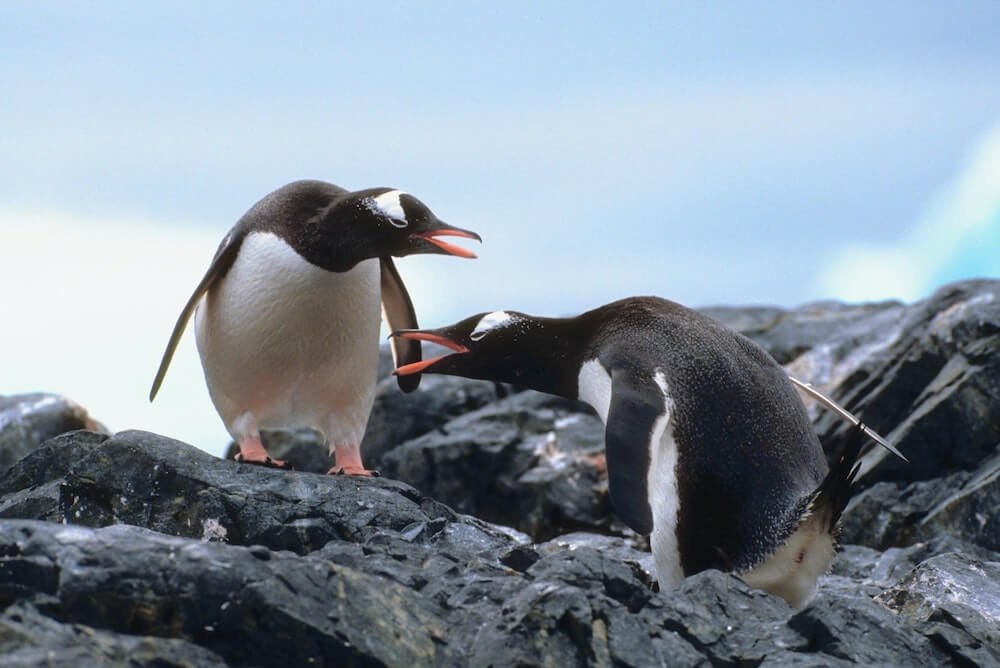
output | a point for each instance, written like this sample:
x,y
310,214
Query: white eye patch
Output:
x,y
388,205
490,322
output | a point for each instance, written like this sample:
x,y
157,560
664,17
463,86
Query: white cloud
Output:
x,y
92,313
956,237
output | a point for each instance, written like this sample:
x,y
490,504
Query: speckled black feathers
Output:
x,y
835,491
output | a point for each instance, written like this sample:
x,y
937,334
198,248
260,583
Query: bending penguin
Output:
x,y
709,449
287,315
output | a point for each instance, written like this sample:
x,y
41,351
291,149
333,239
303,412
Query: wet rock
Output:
x,y
928,382
971,511
397,417
28,420
230,600
529,461
888,513
955,600
633,551
962,504
863,571
579,607
857,630
892,565
786,334
147,480
29,638
369,571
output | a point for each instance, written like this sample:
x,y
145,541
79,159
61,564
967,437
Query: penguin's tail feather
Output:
x,y
831,497
846,415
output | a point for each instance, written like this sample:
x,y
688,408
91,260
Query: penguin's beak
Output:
x,y
442,229
431,337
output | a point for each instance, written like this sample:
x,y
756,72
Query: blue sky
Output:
x,y
729,153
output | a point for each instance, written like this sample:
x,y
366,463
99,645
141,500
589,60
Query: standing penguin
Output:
x,y
708,447
287,315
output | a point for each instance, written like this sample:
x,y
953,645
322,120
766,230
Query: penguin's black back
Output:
x,y
300,213
748,458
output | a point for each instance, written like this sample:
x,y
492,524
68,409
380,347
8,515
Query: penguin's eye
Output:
x,y
388,206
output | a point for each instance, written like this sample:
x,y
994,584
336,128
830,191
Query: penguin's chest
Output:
x,y
286,340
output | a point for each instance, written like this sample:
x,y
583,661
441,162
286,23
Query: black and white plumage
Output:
x,y
287,315
709,449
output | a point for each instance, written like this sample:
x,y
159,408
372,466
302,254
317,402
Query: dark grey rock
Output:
x,y
863,571
962,504
249,607
529,461
854,561
580,608
28,639
28,420
888,513
168,486
956,601
971,512
632,551
272,566
896,563
842,626
397,417
786,334
928,383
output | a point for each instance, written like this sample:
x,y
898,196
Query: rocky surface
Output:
x,y
138,549
28,420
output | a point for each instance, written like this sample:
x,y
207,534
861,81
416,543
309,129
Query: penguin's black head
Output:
x,y
504,346
403,225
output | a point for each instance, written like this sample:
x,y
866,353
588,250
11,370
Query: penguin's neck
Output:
x,y
546,356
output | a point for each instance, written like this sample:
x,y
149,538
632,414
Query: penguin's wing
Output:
x,y
223,260
397,310
634,420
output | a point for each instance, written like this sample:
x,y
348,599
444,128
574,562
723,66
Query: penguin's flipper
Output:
x,y
223,260
398,313
635,408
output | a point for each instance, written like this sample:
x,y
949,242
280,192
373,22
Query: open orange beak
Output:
x,y
430,337
433,238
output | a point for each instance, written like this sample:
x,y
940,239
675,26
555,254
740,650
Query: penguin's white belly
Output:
x,y
286,344
792,570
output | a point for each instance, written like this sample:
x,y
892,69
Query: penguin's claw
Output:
x,y
266,462
354,471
